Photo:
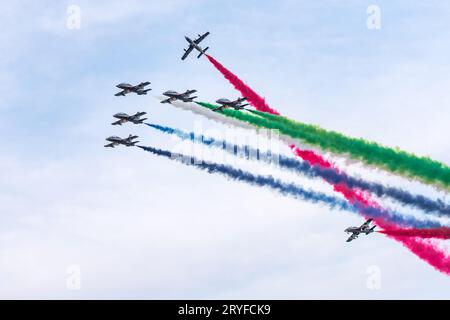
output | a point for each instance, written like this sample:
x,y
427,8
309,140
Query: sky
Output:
x,y
128,225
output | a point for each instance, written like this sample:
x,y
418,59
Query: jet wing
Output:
x,y
218,108
200,39
111,145
118,122
139,114
121,93
352,237
188,92
142,85
130,138
187,51
366,224
142,92
166,101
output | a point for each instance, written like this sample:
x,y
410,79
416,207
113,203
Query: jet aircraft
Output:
x,y
236,104
356,231
173,96
115,141
194,44
127,88
123,117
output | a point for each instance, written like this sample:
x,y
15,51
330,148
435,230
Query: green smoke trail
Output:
x,y
393,160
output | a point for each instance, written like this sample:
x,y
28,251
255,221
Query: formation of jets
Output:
x,y
356,231
173,96
238,104
127,88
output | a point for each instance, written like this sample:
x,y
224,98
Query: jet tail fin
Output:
x,y
202,52
218,108
143,91
371,230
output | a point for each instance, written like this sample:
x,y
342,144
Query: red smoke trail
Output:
x,y
423,248
252,97
440,233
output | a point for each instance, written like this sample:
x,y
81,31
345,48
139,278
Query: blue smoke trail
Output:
x,y
293,190
438,208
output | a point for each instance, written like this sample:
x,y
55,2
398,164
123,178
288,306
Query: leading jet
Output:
x,y
236,104
356,231
139,89
193,44
123,117
173,96
115,141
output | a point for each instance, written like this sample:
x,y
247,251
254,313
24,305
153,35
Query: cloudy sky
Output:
x,y
81,221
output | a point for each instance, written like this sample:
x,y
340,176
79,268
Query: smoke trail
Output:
x,y
217,117
439,233
396,161
393,160
399,162
316,167
222,119
369,211
426,251
252,97
293,190
423,249
258,180
437,258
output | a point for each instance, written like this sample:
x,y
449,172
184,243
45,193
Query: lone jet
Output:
x,y
115,141
236,104
127,88
356,231
193,44
173,96
123,117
